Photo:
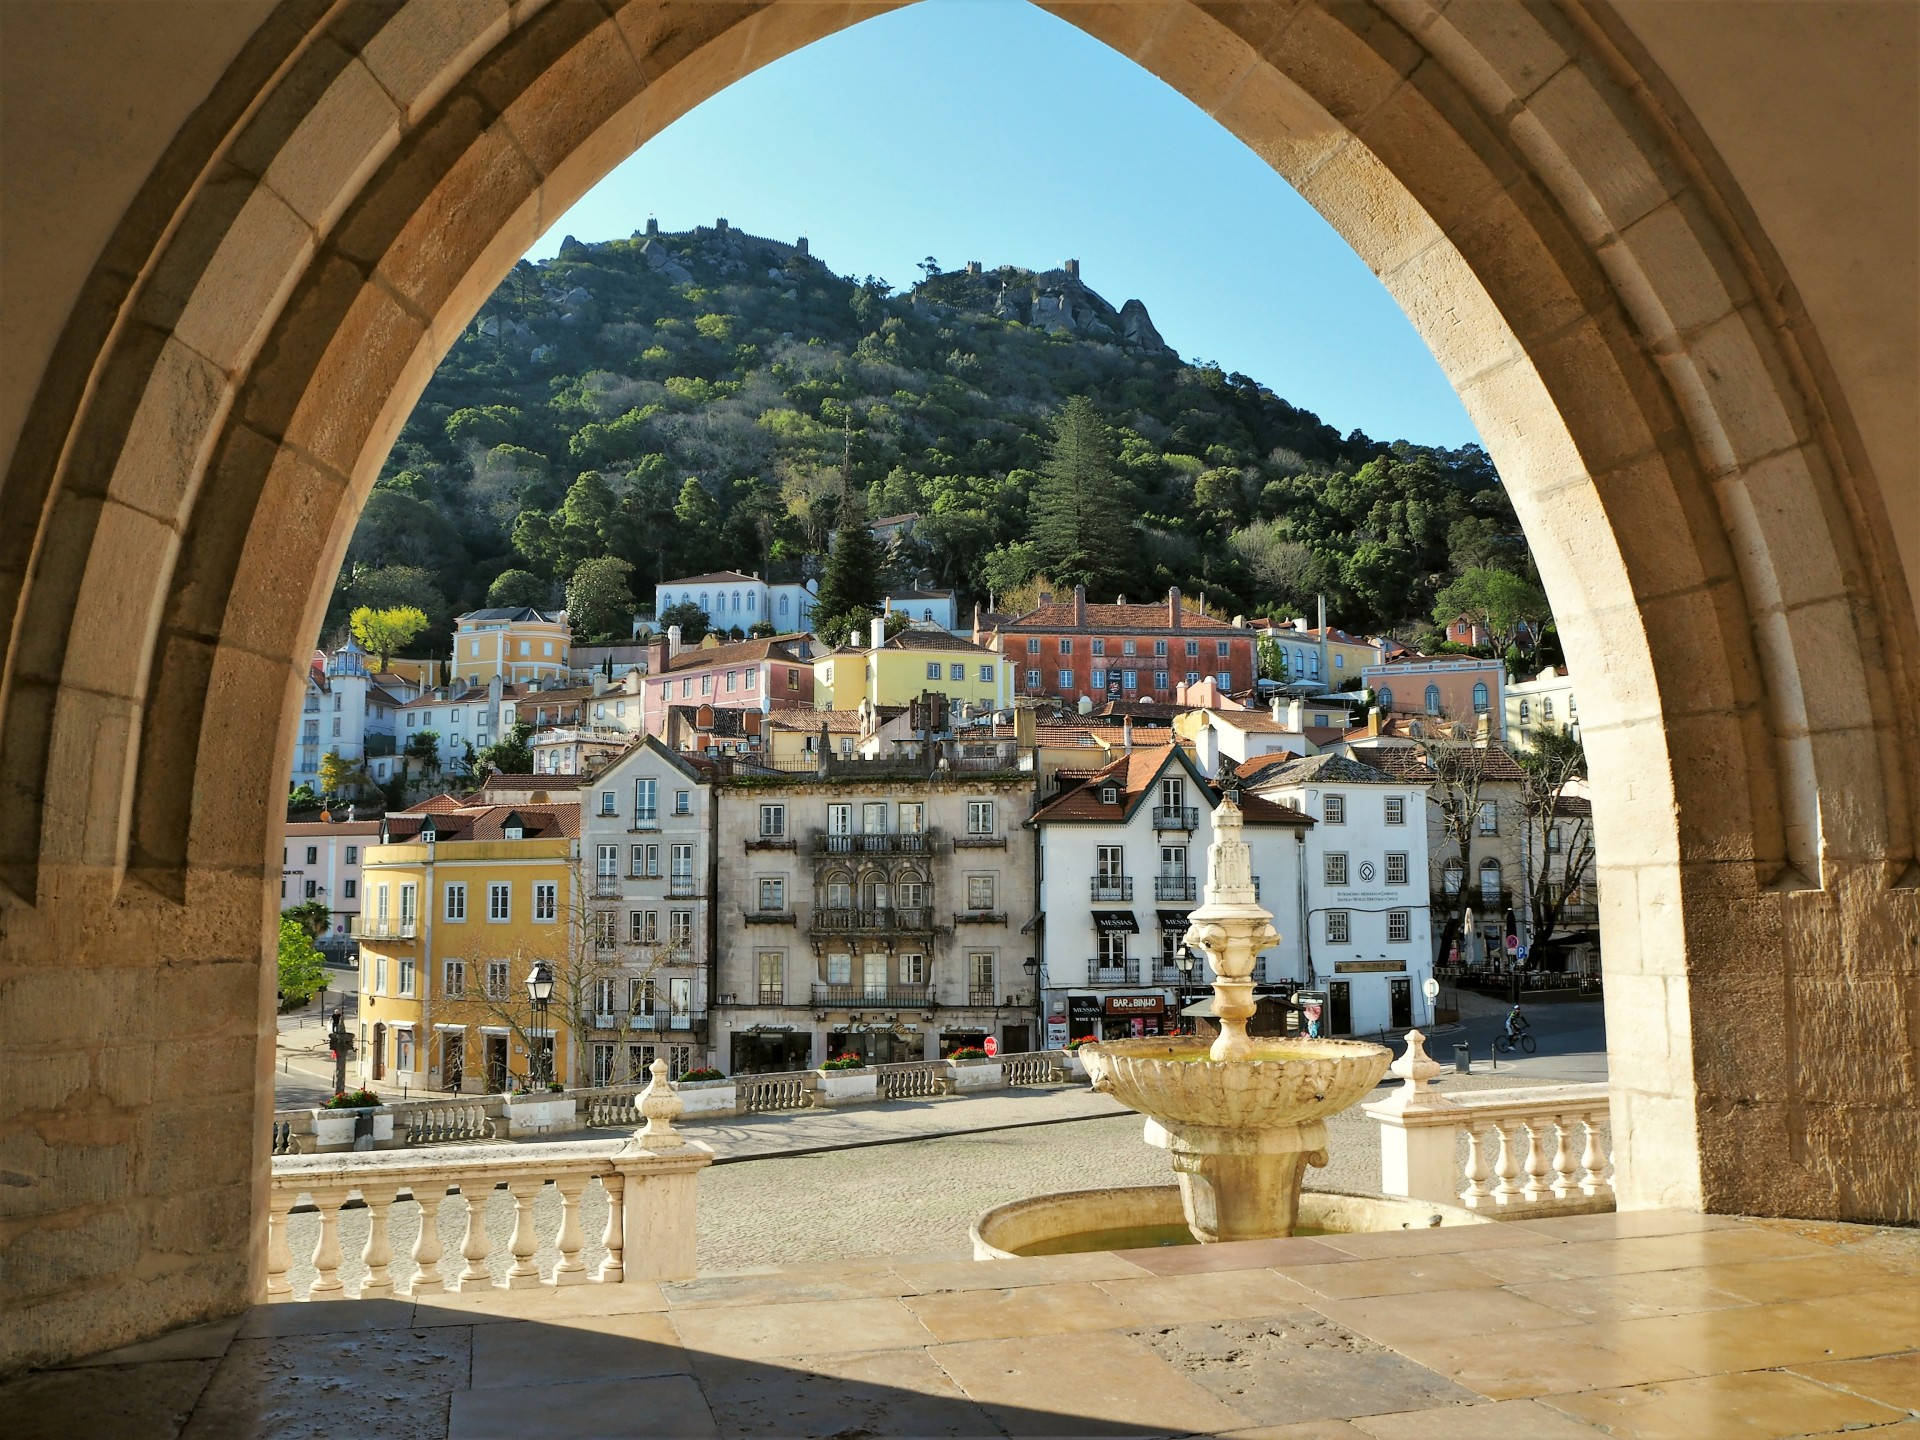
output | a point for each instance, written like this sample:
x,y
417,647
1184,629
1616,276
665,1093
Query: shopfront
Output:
x,y
1083,1017
962,1039
878,1044
766,1050
1123,1016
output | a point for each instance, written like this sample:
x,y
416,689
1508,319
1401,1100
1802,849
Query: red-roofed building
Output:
x,y
774,673
1076,650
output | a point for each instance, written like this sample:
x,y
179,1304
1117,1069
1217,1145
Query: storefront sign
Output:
x,y
1136,1004
1368,967
1115,922
1083,1014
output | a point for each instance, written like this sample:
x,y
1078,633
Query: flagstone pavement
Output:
x,y
1648,1325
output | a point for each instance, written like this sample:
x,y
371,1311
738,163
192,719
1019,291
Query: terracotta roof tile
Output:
x,y
1059,616
770,647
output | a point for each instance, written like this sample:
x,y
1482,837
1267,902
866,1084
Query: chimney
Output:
x,y
1173,607
1296,714
1126,733
673,641
1298,624
657,654
1079,607
877,628
853,639
1026,730
1373,720
1279,709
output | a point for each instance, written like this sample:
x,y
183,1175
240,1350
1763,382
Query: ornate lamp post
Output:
x,y
540,992
1184,958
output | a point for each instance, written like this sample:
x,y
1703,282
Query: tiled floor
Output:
x,y
1646,1326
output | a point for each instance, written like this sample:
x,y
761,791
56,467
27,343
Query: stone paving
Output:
x,y
1645,1326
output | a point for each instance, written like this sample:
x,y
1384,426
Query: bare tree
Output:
x,y
1463,760
1556,762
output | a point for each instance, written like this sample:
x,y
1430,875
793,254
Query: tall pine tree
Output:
x,y
850,590
1082,510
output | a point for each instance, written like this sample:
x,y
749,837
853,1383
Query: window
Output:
x,y
606,862
913,894
1160,680
683,802
1099,647
1192,676
1033,646
1399,927
1129,679
643,927
1334,809
406,976
1193,647
980,817
353,854
680,876
1450,877
1110,863
680,929
1066,679
1396,867
980,892
409,906
456,906
933,670
499,901
913,817
403,1048
1033,679
312,886
679,998
986,674
455,985
1546,709
1396,809
1336,868
773,976
1339,930
1098,679
1386,697
1173,794
313,854
1173,862
1225,678
379,974
839,969
1489,817
1480,698
1129,648
839,819
1220,648
608,802
639,995
349,889
773,894
497,980
606,929
1553,839
956,672
1113,950
1433,699
706,684
1066,647
913,969
649,861
1159,647
773,822
1525,712
750,679
980,973
546,900
1490,882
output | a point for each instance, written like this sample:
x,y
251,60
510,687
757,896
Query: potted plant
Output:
x,y
971,1068
543,1109
337,1123
844,1079
706,1091
1075,1065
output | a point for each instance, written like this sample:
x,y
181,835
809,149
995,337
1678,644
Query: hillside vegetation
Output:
x,y
685,402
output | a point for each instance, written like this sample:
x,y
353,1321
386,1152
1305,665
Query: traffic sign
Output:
x,y
1521,954
1513,943
992,1047
1430,987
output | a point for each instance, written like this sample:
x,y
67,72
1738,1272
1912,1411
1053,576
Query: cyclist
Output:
x,y
1516,1022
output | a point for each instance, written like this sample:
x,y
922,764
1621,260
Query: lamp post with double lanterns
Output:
x,y
1185,959
540,992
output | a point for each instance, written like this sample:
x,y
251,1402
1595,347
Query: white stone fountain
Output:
x,y
1241,1120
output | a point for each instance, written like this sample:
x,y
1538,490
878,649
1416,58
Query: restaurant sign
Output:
x,y
1368,967
1136,1004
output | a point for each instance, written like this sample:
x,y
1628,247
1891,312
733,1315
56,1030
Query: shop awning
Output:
x,y
1174,920
1115,922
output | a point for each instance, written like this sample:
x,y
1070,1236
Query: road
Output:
x,y
303,1068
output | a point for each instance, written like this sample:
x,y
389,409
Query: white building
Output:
x,y
320,860
1122,860
1543,703
731,600
924,607
459,718
645,832
344,712
1369,946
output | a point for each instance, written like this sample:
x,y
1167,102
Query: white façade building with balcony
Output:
x,y
646,843
1122,860
1368,938
733,601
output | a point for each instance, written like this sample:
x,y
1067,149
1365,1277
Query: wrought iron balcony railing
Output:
x,y
1113,972
1176,887
1176,817
1113,887
896,997
848,922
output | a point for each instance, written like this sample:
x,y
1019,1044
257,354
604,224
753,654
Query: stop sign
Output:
x,y
992,1046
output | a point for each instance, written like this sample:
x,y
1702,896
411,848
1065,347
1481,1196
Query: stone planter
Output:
x,y
707,1097
977,1075
1075,1066
540,1114
845,1087
335,1130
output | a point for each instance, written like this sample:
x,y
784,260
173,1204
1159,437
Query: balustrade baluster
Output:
x,y
1536,1188
613,1269
426,1245
523,1274
1593,1164
326,1249
377,1253
1564,1185
474,1276
1478,1189
570,1269
279,1258
1507,1168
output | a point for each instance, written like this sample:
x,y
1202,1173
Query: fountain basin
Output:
x,y
1143,1216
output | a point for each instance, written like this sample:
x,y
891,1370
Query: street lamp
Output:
x,y
1185,959
540,992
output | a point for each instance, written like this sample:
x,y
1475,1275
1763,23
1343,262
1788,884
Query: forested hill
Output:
x,y
687,402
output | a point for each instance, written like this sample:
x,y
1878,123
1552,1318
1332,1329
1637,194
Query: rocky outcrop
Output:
x,y
1056,301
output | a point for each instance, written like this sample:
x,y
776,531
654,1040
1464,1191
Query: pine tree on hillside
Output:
x,y
850,590
1082,510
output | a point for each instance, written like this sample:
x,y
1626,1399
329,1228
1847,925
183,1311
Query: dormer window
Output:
x,y
1109,795
513,832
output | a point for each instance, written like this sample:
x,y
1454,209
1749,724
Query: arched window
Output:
x,y
1490,882
1524,715
784,599
1386,697
1480,699
736,602
703,602
1546,709
753,602
1433,699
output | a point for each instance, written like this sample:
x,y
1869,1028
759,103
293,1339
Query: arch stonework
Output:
x,y
340,204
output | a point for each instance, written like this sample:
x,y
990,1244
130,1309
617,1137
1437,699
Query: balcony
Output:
x,y
770,842
819,842
1176,817
860,997
378,927
1113,887
1176,887
606,887
980,999
768,917
680,887
1109,972
979,841
647,822
850,922
980,917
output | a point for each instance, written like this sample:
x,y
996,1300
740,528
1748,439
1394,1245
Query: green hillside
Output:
x,y
687,402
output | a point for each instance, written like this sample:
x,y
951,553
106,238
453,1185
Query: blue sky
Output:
x,y
990,130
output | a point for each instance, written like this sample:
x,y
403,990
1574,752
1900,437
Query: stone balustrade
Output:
x,y
913,1079
775,1090
1540,1150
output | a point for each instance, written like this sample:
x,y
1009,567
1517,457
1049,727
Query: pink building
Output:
x,y
1458,687
775,673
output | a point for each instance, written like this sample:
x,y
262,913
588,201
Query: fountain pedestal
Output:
x,y
1236,1185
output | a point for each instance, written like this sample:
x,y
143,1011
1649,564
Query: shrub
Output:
x,y
1083,1040
968,1052
844,1062
352,1100
705,1072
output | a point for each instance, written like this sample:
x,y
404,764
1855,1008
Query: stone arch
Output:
x,y
1526,184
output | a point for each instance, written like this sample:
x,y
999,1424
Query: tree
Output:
x,y
1273,660
1462,765
1082,510
382,632
313,916
1502,603
424,746
691,619
1557,762
302,972
513,588
509,755
600,599
850,590
334,773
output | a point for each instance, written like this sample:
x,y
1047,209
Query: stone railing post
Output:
x,y
659,1194
1417,1129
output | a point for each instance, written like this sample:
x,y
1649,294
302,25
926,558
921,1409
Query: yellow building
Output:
x,y
519,644
457,904
895,672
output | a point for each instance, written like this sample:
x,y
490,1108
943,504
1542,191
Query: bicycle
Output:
x,y
1506,1044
